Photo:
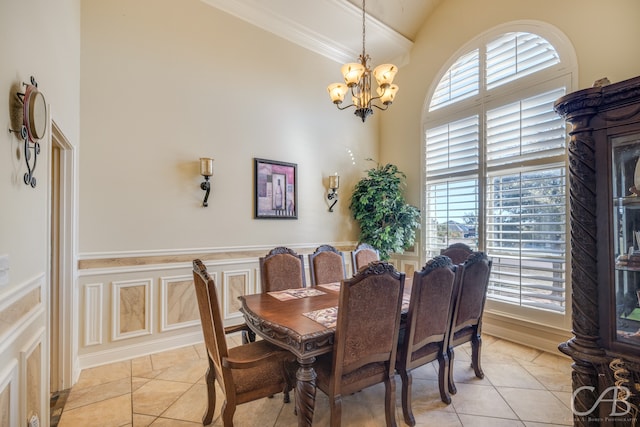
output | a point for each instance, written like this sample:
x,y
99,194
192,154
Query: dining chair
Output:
x,y
466,324
326,265
244,373
458,252
426,334
366,337
362,255
282,268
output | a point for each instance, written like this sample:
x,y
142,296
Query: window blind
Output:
x,y
515,55
453,147
461,81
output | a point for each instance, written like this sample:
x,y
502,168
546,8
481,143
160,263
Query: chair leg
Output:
x,y
451,385
211,394
476,346
335,405
407,412
390,401
443,377
227,414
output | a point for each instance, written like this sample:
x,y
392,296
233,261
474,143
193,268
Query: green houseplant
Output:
x,y
377,204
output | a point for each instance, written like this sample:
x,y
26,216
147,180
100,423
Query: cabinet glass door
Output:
x,y
626,233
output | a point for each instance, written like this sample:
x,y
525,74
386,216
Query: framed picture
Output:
x,y
276,194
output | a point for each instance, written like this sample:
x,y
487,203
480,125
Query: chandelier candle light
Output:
x,y
357,77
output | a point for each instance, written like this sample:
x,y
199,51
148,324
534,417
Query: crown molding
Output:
x,y
331,28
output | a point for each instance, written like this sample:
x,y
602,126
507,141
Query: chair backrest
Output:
x,y
458,252
211,319
326,265
362,255
367,325
280,269
472,292
430,311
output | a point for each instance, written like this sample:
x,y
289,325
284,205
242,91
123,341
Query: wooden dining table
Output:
x,y
285,318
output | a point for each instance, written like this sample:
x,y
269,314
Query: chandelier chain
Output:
x,y
363,29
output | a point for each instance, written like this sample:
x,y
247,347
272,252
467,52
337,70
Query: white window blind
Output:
x,y
453,147
514,55
526,237
508,160
461,81
525,130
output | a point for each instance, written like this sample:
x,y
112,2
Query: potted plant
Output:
x,y
386,222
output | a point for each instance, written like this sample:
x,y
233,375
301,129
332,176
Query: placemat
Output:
x,y
326,316
289,294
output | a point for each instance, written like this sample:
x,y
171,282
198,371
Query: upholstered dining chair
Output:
x,y
458,252
466,324
362,255
244,373
326,265
282,268
366,338
426,334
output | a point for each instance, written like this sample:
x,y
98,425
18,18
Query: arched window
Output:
x,y
495,164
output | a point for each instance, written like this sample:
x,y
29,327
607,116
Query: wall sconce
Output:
x,y
206,170
334,184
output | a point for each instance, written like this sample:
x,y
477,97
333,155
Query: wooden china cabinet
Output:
x,y
604,180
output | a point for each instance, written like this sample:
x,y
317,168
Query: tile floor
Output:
x,y
521,387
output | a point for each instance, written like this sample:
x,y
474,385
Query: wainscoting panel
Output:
x,y
236,283
178,305
93,314
34,377
131,309
9,403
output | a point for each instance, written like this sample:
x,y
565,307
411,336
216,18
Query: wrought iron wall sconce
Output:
x,y
206,170
33,128
334,184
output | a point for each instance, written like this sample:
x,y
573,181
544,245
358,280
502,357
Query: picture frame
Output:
x,y
275,189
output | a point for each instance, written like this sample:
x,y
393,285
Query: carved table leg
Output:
x,y
305,391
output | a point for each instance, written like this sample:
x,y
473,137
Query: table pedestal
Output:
x,y
305,391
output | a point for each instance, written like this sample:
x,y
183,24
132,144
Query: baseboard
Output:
x,y
541,337
137,350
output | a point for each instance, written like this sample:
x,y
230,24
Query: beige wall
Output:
x,y
166,82
40,38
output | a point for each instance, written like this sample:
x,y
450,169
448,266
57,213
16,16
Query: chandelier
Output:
x,y
357,78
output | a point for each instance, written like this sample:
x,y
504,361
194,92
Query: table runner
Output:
x,y
289,294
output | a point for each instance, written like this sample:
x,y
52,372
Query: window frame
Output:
x,y
565,73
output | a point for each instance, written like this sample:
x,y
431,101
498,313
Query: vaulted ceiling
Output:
x,y
333,28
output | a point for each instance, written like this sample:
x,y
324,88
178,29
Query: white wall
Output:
x,y
40,38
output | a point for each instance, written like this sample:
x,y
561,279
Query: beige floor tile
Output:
x,y
506,350
259,413
140,420
425,397
436,419
506,375
85,396
464,373
556,361
190,406
170,358
475,421
168,422
156,396
187,372
137,382
552,378
537,405
532,424
141,365
483,400
113,412
201,350
425,372
104,374
564,396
